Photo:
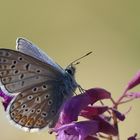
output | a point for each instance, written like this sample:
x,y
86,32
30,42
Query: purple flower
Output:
x,y
133,137
103,123
6,99
134,81
133,94
77,130
118,114
67,129
91,111
72,107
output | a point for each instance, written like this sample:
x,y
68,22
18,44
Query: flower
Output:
x,y
133,94
72,107
77,130
133,137
6,99
118,114
68,129
133,82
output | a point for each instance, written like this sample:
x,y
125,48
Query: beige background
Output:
x,y
68,29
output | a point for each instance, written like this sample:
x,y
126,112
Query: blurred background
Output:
x,y
68,29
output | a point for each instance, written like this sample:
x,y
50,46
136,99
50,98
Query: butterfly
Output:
x,y
39,85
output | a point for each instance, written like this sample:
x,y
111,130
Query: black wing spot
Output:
x,y
50,102
30,97
21,76
12,114
7,54
38,100
20,58
16,71
13,66
27,66
33,110
46,96
22,83
44,114
38,71
26,109
4,60
38,111
44,87
53,111
14,62
35,89
24,105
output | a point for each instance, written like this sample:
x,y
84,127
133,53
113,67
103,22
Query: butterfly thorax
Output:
x,y
69,82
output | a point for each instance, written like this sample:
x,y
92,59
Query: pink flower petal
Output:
x,y
5,99
96,94
91,138
134,81
133,94
133,137
90,112
72,107
106,127
118,114
80,130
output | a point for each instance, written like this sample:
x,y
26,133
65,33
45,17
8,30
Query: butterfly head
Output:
x,y
70,69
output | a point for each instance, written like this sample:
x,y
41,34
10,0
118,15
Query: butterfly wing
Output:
x,y
40,89
19,71
26,47
37,107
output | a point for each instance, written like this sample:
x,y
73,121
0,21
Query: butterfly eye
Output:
x,y
69,71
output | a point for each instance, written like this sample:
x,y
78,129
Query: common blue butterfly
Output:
x,y
40,85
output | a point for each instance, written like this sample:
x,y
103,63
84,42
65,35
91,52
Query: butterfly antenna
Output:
x,y
80,59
